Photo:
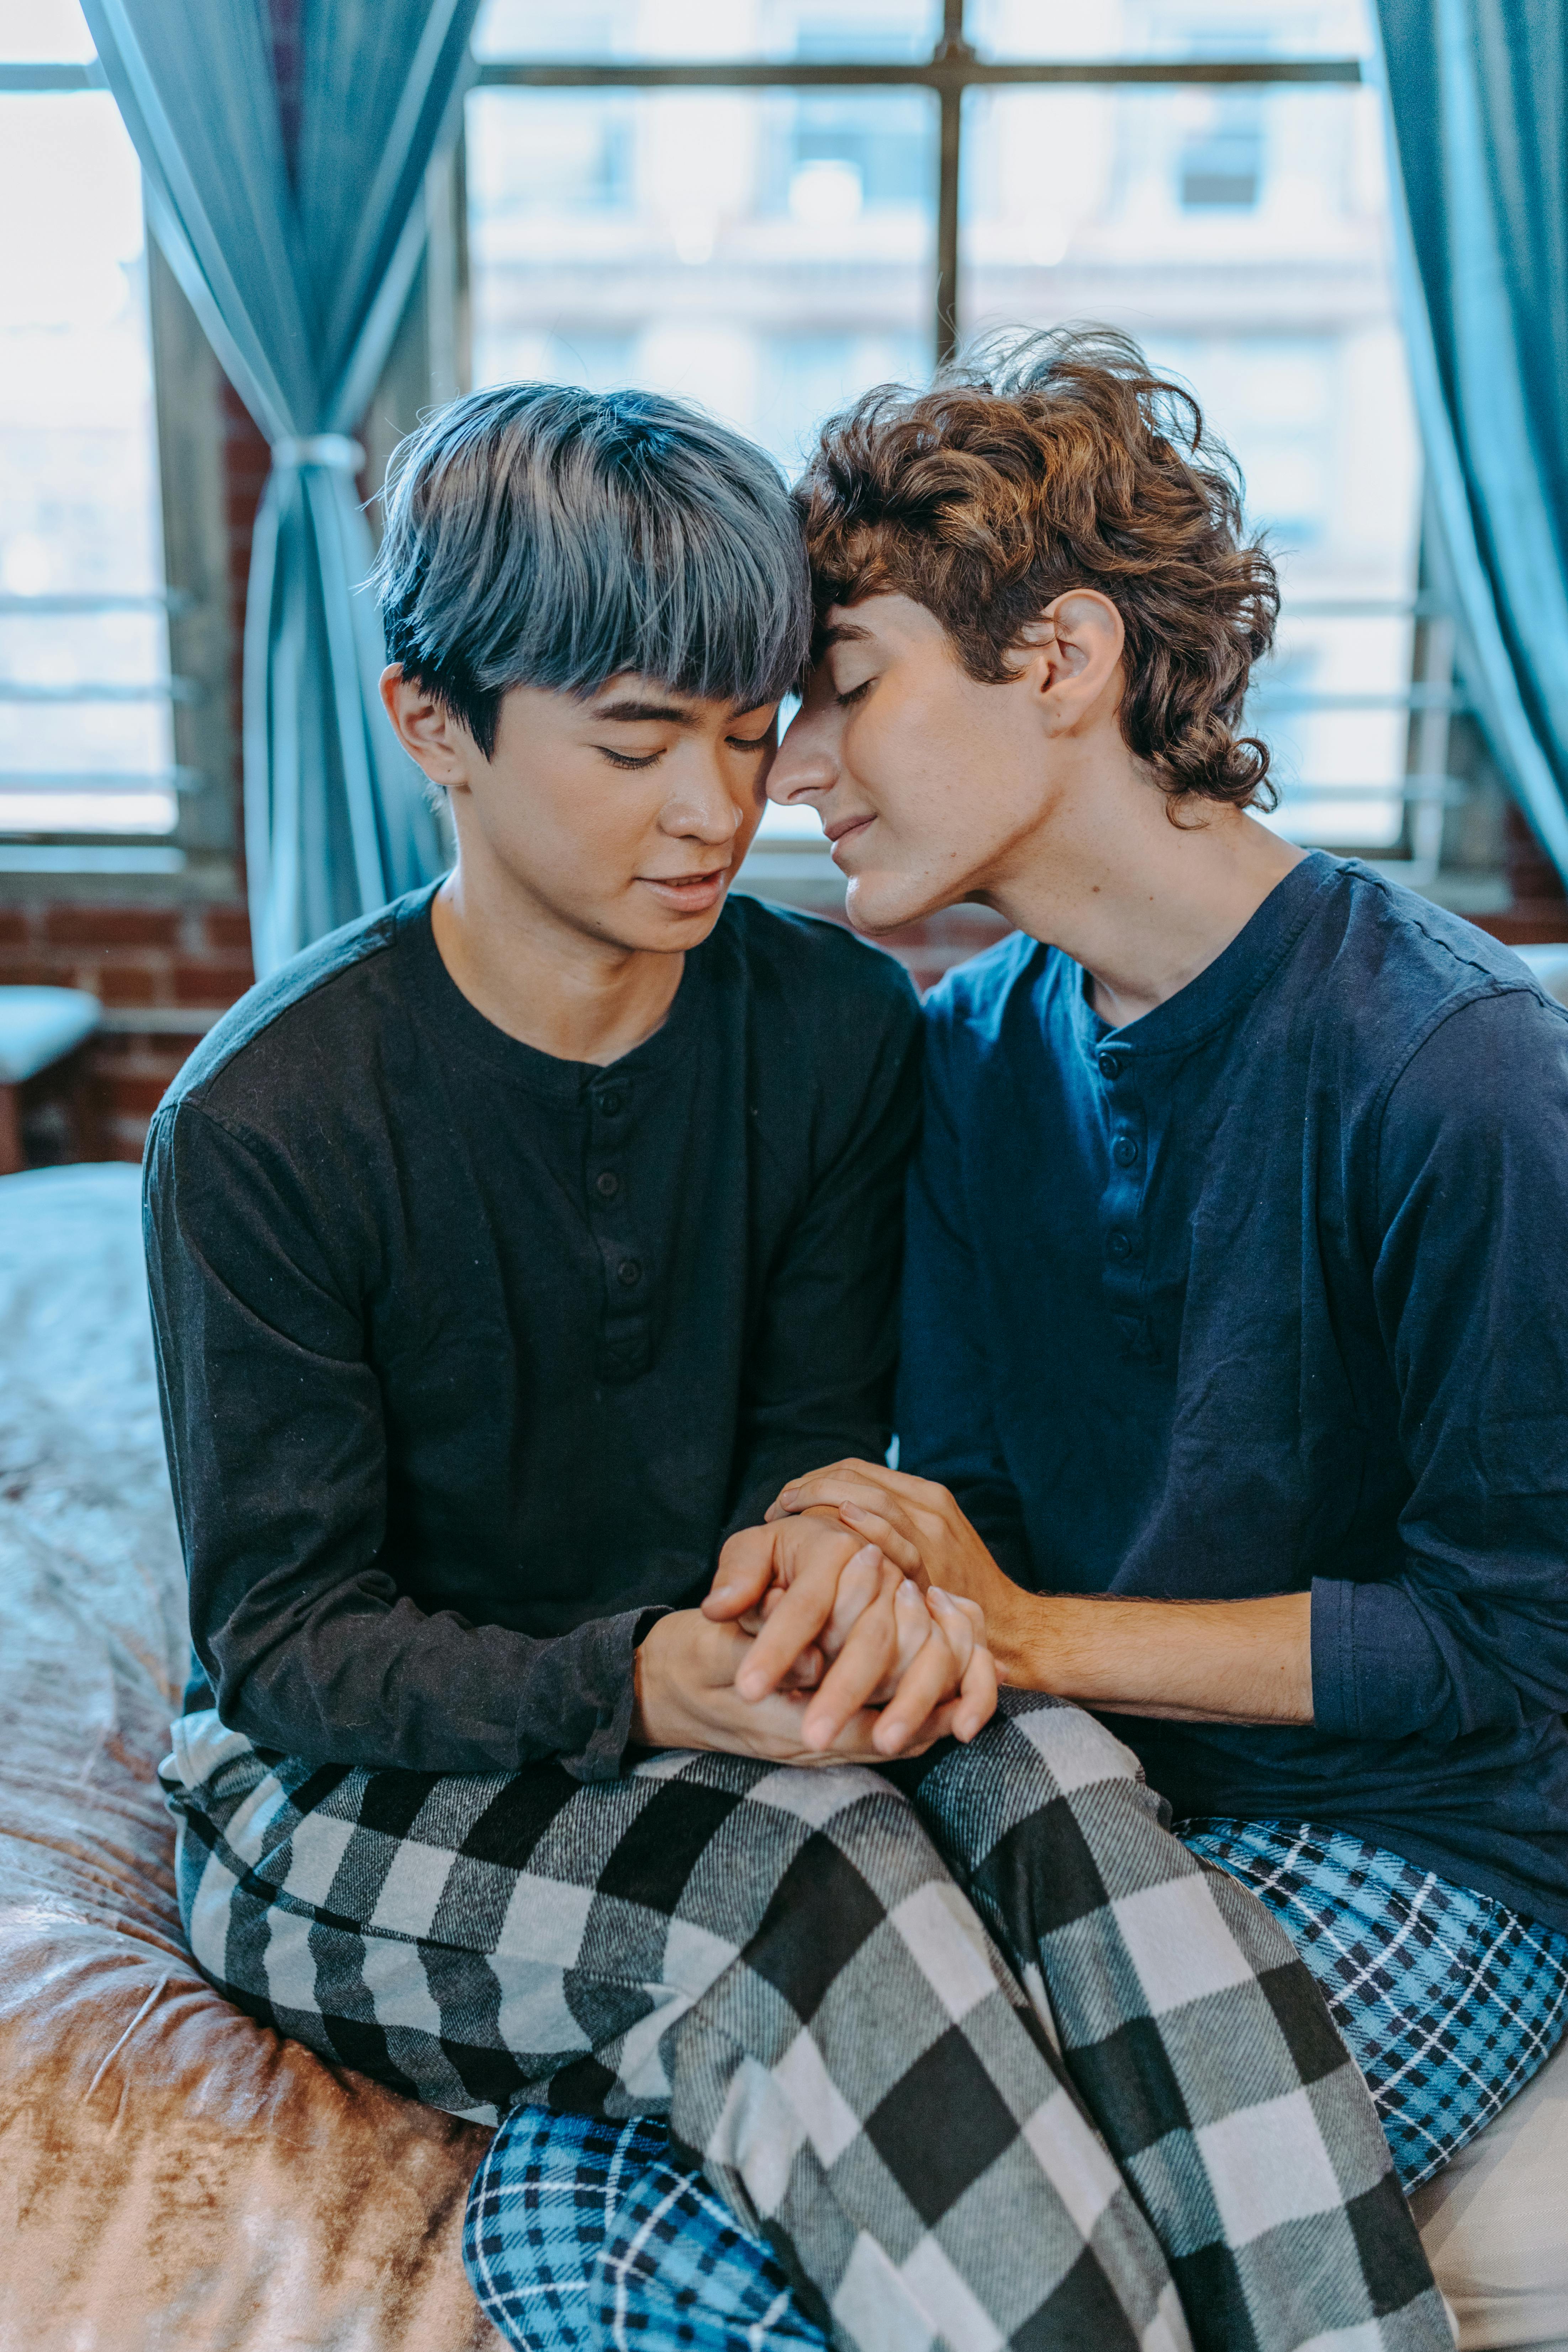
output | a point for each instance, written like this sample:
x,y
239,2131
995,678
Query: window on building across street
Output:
x,y
85,691
772,250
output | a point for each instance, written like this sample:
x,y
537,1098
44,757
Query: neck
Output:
x,y
540,979
1143,904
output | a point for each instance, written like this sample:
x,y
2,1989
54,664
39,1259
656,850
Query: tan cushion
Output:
x,y
1495,2225
173,2177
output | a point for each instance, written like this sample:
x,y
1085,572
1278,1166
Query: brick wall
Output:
x,y
162,974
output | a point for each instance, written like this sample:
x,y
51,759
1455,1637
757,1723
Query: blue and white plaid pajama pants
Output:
x,y
977,2048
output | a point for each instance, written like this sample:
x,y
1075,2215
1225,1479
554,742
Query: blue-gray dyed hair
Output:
x,y
540,535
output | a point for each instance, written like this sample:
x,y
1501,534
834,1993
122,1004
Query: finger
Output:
x,y
977,1694
828,1489
934,1677
866,1576
860,1665
806,1671
795,1623
894,1542
744,1573
957,1624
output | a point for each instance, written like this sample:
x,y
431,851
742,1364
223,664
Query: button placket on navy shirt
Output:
x,y
1122,1203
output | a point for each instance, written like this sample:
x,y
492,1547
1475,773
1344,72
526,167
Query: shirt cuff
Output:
x,y
1377,1672
1334,1708
607,1648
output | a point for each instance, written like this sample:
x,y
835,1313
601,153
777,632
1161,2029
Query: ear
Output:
x,y
1071,658
427,730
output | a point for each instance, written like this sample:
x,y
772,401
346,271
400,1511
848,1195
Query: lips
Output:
x,y
846,829
689,894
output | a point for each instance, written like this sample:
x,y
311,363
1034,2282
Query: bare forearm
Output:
x,y
1187,1661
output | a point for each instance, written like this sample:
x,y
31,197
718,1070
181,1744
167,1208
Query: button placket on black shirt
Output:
x,y
626,1334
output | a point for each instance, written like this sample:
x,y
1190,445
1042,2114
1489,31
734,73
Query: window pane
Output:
x,y
903,29
766,254
1169,28
1243,237
79,506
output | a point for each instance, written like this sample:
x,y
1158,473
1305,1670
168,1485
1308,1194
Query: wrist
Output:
x,y
650,1707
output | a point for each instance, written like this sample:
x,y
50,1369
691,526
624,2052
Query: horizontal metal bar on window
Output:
x,y
161,1020
50,74
106,780
1362,608
1447,792
150,690
1409,698
87,858
937,73
156,600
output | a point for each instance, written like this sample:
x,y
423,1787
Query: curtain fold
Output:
x,y
1477,93
299,277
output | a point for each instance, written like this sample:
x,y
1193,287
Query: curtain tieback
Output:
x,y
318,449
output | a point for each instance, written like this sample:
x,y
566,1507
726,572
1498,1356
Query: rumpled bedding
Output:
x,y
172,2176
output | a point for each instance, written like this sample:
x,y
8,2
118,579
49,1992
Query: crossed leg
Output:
x,y
795,1969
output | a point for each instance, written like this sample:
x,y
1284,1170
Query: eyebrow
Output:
x,y
628,707
842,633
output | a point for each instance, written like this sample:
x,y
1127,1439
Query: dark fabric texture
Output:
x,y
1477,94
976,2046
470,1356
1267,1292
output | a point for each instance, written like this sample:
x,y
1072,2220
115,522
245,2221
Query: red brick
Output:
x,y
228,927
133,983
16,926
114,927
124,1139
29,971
134,1096
211,980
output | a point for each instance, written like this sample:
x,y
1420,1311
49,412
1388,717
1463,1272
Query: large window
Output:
x,y
85,689
771,204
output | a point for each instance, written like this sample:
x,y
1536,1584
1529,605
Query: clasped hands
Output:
x,y
815,1646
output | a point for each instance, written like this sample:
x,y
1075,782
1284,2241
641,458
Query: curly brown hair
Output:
x,y
1049,463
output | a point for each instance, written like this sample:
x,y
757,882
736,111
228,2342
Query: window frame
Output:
x,y
197,856
955,67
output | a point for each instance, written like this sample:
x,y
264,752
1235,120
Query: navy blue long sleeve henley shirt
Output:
x,y
1267,1292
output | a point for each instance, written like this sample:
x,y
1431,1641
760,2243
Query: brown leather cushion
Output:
x,y
171,2174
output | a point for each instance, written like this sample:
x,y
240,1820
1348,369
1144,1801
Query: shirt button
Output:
x,y
1109,1063
610,1104
606,1185
1124,1150
628,1274
1119,1245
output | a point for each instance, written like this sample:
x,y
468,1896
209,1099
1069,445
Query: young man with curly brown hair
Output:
x,y
1235,1374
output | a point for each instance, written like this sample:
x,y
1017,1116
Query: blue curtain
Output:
x,y
298,267
1479,100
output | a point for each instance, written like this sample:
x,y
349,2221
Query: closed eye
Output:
x,y
628,759
750,742
855,693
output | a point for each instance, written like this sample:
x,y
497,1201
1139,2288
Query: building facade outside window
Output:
x,y
772,252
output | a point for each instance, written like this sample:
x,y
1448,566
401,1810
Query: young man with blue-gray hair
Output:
x,y
510,1250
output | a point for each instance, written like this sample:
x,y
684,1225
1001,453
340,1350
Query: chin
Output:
x,y
881,902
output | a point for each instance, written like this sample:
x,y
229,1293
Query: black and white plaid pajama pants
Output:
x,y
985,2054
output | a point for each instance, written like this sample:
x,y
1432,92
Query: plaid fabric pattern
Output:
x,y
948,2132
1448,2002
581,2235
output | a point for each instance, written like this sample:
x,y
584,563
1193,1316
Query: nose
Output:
x,y
703,806
806,761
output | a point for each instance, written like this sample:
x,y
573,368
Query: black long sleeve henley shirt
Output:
x,y
470,1356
